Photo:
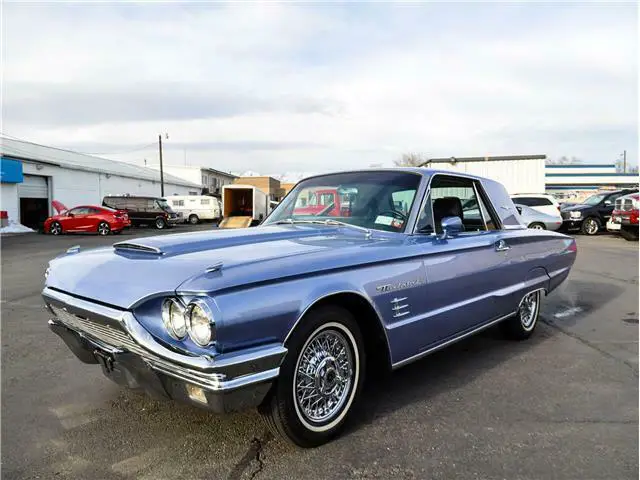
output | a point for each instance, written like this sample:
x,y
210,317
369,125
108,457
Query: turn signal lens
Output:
x,y
173,318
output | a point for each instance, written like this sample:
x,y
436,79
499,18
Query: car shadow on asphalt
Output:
x,y
460,363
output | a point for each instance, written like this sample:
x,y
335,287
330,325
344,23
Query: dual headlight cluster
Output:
x,y
196,320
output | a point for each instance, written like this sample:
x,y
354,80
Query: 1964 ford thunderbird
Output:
x,y
290,315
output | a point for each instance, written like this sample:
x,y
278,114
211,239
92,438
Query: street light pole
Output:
x,y
624,161
161,169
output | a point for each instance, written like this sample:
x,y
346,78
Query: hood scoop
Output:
x,y
137,247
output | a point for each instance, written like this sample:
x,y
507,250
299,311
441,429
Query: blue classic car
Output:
x,y
289,316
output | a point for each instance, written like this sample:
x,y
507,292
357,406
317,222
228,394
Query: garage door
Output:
x,y
33,186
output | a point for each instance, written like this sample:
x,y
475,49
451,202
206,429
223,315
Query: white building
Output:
x,y
33,176
519,173
206,177
579,180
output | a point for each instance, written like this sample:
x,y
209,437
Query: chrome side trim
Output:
x,y
451,341
440,346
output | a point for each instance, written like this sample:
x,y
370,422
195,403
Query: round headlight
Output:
x,y
200,323
173,318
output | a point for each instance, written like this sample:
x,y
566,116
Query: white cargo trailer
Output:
x,y
243,206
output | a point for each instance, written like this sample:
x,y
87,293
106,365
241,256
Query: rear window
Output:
x,y
532,201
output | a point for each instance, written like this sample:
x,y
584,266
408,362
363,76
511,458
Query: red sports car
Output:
x,y
89,218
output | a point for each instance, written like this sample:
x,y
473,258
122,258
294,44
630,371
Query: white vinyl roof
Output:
x,y
34,152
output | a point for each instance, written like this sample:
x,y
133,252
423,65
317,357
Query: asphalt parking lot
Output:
x,y
562,405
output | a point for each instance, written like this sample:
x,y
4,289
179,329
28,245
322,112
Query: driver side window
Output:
x,y
451,196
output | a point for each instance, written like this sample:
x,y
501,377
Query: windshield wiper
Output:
x,y
328,221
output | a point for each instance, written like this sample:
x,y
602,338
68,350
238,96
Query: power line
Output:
x,y
134,149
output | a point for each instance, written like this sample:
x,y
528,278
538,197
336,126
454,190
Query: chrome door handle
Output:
x,y
501,246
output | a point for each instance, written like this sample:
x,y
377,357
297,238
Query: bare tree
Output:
x,y
409,160
564,161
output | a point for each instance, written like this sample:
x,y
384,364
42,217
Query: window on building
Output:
x,y
204,180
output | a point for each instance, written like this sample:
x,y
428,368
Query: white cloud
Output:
x,y
308,89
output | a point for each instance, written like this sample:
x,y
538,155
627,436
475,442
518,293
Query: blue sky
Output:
x,y
311,87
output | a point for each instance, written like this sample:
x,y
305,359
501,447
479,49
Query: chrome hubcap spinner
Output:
x,y
324,375
528,310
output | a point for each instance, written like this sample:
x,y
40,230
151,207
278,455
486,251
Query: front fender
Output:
x,y
268,313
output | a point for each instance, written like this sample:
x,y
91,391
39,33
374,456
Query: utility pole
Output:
x,y
624,161
161,170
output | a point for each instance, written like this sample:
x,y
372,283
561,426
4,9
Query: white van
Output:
x,y
195,208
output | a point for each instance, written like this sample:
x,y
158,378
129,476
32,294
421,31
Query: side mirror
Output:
x,y
69,214
608,202
451,226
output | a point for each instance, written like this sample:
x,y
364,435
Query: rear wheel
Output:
x,y
104,229
160,223
522,324
55,228
537,226
590,226
319,380
193,219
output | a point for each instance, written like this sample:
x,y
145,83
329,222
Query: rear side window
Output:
x,y
532,201
177,203
204,201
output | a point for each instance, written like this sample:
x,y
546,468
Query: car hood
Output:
x,y
134,270
576,207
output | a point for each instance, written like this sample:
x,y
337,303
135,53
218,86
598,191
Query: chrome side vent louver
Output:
x,y
136,247
399,308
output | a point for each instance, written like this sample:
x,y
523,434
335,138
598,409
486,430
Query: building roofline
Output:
x,y
499,158
16,153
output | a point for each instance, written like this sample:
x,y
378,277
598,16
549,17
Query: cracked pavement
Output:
x,y
562,405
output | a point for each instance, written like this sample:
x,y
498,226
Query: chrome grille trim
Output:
x,y
118,331
104,333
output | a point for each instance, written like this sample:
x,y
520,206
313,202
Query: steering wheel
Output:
x,y
395,214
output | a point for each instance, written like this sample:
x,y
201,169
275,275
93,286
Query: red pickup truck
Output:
x,y
329,203
624,219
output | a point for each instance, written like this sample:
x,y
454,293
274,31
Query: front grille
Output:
x,y
104,333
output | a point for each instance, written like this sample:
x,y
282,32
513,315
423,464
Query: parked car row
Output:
x,y
592,215
119,212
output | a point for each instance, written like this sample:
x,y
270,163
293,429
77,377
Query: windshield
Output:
x,y
380,200
594,199
164,205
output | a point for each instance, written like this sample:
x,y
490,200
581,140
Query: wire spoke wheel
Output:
x,y
324,376
528,311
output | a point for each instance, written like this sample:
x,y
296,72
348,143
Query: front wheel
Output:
x,y
320,378
161,223
55,228
523,323
590,226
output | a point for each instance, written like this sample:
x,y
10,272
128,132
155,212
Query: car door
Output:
x,y
465,285
605,209
93,219
75,220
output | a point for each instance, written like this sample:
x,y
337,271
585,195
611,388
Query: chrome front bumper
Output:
x,y
129,354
